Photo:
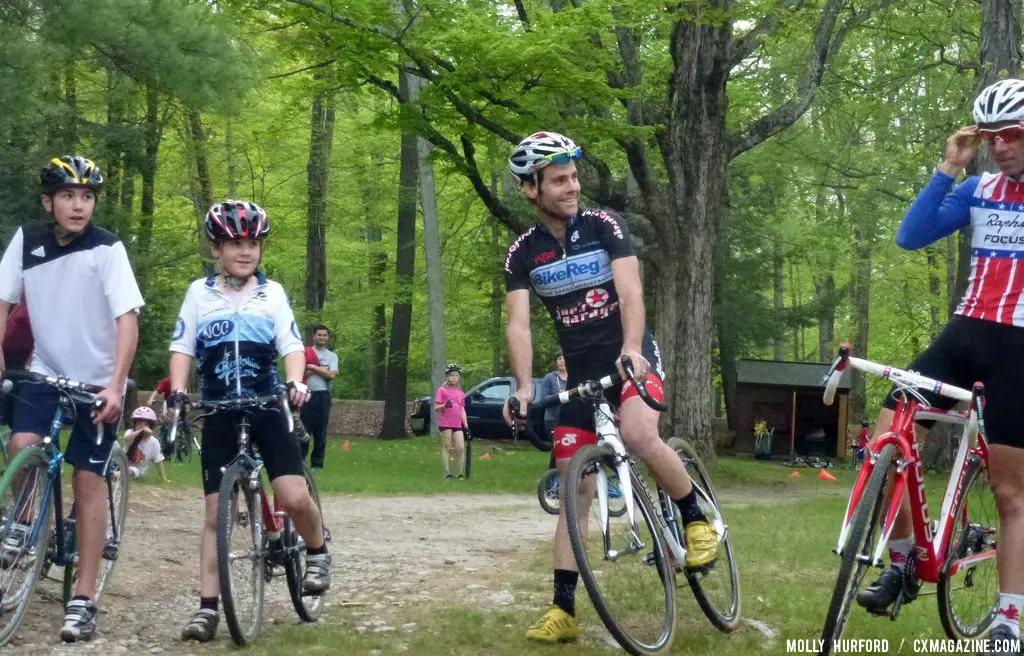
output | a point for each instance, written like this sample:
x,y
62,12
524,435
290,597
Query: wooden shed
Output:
x,y
787,395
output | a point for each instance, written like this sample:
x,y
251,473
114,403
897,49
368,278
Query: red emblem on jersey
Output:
x,y
597,297
546,256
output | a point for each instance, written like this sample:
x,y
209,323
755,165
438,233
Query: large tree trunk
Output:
x,y
320,141
435,274
114,151
229,146
151,136
405,261
378,265
70,108
825,289
935,293
862,238
498,342
698,157
203,196
779,304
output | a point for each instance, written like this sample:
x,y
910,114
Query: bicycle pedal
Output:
x,y
110,552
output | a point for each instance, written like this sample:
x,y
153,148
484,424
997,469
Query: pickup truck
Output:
x,y
483,409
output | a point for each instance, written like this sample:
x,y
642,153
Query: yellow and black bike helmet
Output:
x,y
71,171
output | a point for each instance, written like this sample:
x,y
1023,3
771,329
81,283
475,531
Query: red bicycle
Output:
x,y
958,551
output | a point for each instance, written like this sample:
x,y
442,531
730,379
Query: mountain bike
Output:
x,y
958,551
31,539
265,538
629,566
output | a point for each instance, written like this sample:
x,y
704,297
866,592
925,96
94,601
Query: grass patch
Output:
x,y
405,467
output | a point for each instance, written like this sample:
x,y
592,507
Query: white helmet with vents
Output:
x,y
540,149
1002,101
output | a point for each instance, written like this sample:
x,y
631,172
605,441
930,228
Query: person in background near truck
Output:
x,y
450,403
552,384
317,412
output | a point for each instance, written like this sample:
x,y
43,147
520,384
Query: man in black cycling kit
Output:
x,y
580,263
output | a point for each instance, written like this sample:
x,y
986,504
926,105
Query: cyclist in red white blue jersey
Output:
x,y
984,340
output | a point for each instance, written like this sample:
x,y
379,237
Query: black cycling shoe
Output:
x,y
1001,641
884,592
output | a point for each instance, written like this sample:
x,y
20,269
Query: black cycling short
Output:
x,y
576,418
34,411
268,432
974,350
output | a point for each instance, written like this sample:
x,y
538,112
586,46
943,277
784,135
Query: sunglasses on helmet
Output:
x,y
564,157
1006,134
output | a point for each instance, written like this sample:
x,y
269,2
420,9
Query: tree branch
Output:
x,y
741,47
827,40
301,70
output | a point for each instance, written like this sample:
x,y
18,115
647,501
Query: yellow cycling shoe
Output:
x,y
701,545
556,626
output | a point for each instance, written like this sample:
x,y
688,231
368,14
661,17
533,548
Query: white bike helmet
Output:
x,y
1002,101
538,150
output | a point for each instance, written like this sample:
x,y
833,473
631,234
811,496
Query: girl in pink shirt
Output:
x,y
450,404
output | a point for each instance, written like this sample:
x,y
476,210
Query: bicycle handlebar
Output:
x,y
81,392
243,403
588,389
898,376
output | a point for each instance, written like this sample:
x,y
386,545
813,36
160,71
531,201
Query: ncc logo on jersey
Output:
x,y
573,273
216,330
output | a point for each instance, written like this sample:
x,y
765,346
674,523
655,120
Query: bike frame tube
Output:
x,y
931,538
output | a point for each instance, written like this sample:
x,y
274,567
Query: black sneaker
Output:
x,y
881,594
202,626
79,621
1001,641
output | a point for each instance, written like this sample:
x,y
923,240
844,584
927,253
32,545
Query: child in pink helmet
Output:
x,y
141,446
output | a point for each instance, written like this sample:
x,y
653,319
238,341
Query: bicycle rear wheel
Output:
x,y
626,571
309,607
968,599
717,587
116,510
241,554
547,492
23,513
858,550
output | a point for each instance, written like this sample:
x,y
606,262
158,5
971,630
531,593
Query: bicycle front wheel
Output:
x,y
716,587
969,598
116,481
547,492
858,550
241,554
24,512
309,607
624,566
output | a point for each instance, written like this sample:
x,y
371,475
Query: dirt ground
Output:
x,y
387,553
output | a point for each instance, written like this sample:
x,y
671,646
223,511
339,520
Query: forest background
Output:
x,y
763,152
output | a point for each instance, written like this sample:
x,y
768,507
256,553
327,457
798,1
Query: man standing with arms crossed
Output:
x,y
580,263
317,412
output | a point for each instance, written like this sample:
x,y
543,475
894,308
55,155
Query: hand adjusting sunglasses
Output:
x,y
1006,134
565,156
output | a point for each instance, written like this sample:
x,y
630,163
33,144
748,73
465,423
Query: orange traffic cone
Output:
x,y
344,447
795,474
485,456
825,476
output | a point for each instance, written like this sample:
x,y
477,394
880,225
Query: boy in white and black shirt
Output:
x,y
83,305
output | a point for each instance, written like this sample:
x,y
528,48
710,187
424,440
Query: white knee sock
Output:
x,y
1009,612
